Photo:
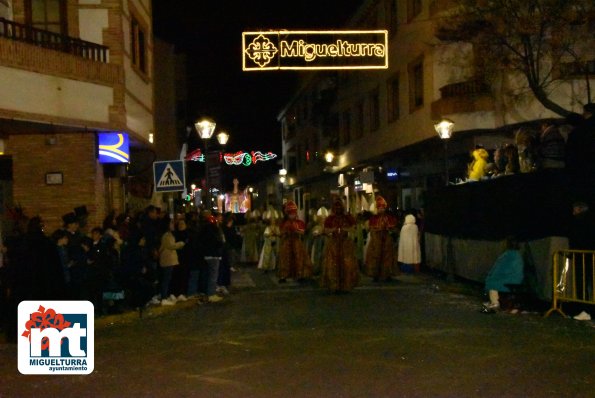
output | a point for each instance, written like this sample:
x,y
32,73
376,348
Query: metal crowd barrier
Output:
x,y
573,279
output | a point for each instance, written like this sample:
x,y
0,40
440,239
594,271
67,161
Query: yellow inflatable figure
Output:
x,y
478,166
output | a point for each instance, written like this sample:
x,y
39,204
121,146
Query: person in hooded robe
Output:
x,y
379,255
318,240
409,248
340,270
294,261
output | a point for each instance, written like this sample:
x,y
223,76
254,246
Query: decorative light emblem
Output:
x,y
261,51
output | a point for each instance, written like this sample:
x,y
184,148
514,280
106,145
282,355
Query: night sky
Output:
x,y
246,104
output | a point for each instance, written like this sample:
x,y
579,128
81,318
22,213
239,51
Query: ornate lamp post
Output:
x,y
444,129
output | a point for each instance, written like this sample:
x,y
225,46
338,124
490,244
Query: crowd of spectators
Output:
x,y
130,262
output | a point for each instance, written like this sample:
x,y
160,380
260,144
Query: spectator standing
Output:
x,y
551,147
580,148
212,240
168,259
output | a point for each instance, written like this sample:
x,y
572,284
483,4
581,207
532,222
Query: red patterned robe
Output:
x,y
340,271
294,261
380,256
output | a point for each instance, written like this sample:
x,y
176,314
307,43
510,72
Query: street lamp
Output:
x,y
444,129
205,129
329,157
222,138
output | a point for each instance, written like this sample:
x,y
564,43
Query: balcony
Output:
x,y
465,97
54,41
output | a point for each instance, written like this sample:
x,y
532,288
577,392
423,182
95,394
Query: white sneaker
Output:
x,y
172,298
222,290
214,298
492,306
583,316
168,301
181,297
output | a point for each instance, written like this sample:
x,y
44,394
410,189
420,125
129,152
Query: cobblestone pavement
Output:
x,y
415,337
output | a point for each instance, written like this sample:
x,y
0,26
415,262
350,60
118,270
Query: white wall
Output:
x,y
54,96
91,24
138,119
6,9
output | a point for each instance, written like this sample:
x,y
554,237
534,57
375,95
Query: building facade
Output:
x,y
73,68
379,124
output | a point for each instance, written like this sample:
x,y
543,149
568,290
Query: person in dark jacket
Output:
x,y
212,240
231,248
580,148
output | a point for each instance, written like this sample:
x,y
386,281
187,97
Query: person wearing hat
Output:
x,y
71,227
270,248
340,271
379,256
294,261
251,237
318,240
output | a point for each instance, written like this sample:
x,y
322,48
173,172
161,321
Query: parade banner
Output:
x,y
315,50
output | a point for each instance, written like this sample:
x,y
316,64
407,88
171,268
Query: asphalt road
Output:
x,y
402,339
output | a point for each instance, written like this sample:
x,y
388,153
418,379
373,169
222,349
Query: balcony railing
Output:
x,y
54,41
464,89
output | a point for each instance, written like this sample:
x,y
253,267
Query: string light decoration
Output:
x,y
239,158
246,159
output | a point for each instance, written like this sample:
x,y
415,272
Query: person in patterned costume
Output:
x,y
294,261
380,257
340,271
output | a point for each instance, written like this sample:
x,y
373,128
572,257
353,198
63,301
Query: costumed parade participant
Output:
x,y
294,261
379,256
478,166
318,240
270,248
340,271
409,249
251,234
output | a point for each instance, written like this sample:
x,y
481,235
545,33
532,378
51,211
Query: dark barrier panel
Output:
x,y
526,206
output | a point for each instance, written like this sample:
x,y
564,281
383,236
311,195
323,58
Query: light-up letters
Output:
x,y
291,50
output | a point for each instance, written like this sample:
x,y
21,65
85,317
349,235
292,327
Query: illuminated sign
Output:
x,y
294,50
113,148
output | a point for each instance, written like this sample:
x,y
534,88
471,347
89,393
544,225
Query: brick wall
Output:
x,y
73,154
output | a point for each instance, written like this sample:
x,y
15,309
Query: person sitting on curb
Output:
x,y
507,270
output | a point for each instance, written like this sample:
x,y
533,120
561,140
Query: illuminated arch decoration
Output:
x,y
239,158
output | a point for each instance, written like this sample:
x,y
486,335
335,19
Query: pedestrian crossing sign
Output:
x,y
169,176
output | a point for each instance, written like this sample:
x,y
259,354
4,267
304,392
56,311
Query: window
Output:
x,y
413,9
392,89
138,45
47,15
345,128
416,84
390,12
374,104
359,119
